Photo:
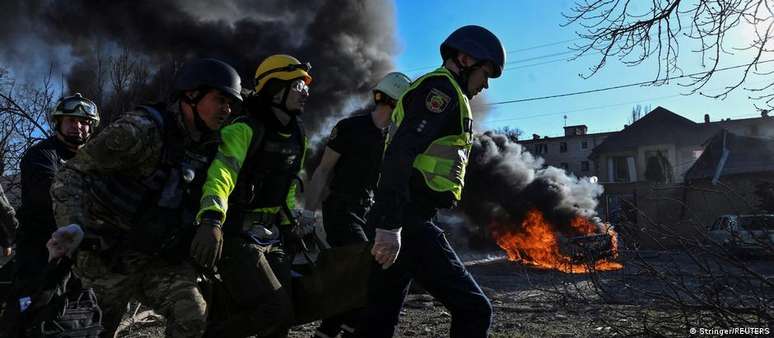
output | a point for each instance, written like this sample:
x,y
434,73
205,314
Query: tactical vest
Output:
x,y
443,163
272,163
158,205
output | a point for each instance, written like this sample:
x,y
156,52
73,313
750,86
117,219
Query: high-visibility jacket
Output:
x,y
254,172
443,163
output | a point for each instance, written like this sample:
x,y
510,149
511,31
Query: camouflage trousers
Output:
x,y
169,289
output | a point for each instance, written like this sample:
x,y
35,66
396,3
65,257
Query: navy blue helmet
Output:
x,y
477,42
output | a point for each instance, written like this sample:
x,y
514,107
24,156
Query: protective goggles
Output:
x,y
289,68
299,86
72,106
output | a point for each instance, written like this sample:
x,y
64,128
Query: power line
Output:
x,y
509,62
520,67
612,105
535,64
414,73
585,109
543,45
515,51
540,57
619,86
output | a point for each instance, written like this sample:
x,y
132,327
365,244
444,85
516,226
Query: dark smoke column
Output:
x,y
503,182
350,43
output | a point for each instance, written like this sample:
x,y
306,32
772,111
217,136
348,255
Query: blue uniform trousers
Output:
x,y
427,257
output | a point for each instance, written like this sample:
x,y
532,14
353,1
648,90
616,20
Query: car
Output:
x,y
744,234
590,247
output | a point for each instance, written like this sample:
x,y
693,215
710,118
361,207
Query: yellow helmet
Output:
x,y
282,67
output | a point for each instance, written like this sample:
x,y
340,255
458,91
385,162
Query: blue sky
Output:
x,y
525,24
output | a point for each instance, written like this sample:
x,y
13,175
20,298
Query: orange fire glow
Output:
x,y
537,244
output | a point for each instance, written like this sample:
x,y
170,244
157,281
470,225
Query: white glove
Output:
x,y
386,246
306,222
64,241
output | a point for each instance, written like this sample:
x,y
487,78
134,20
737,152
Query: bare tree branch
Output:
x,y
634,34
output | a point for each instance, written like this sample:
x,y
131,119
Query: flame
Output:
x,y
537,244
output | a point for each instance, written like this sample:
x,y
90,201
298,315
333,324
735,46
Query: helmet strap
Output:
x,y
464,74
193,101
283,104
76,141
71,141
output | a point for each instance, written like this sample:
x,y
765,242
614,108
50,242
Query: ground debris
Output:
x,y
535,303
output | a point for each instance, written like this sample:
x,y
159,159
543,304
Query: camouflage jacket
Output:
x,y
129,150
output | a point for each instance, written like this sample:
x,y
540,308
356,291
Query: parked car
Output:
x,y
744,234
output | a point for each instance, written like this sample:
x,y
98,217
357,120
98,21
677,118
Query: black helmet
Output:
x,y
477,42
209,73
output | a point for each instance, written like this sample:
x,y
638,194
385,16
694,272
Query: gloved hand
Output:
x,y
64,241
6,237
386,246
207,245
305,223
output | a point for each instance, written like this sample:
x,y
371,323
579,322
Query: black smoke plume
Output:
x,y
503,182
349,43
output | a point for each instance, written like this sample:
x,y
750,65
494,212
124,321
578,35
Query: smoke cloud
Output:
x,y
503,182
350,43
480,108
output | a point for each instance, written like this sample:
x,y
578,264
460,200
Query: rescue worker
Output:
x,y
248,202
422,171
351,163
74,119
134,189
8,224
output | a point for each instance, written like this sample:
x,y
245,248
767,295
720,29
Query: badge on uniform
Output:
x,y
436,101
334,131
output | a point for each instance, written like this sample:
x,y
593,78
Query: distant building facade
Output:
x,y
661,146
570,152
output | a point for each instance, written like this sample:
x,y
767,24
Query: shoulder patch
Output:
x,y
436,101
334,132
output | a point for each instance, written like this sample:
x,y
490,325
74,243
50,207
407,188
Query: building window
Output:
x,y
562,147
541,148
585,145
657,166
620,169
565,166
584,165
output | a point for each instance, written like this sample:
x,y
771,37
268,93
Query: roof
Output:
x,y
745,155
660,126
561,138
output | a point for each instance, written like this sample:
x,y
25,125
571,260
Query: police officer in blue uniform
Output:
x,y
423,170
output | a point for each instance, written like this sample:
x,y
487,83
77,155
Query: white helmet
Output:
x,y
393,85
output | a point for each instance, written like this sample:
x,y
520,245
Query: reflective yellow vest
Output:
x,y
443,163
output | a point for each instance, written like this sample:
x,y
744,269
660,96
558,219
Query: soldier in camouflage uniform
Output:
x,y
135,189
